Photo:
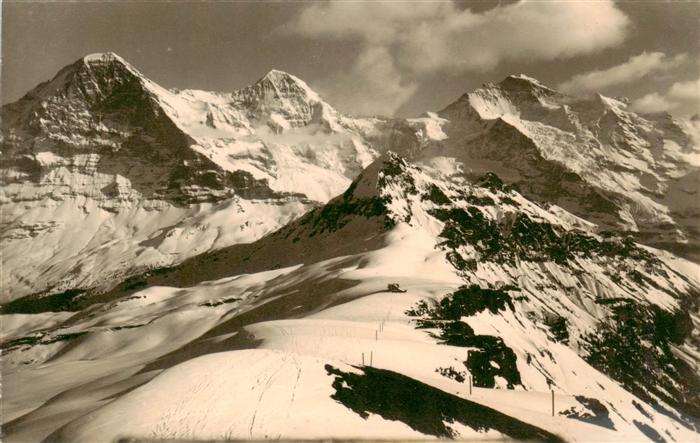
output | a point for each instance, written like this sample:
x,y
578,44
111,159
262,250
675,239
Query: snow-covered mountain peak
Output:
x,y
513,96
102,136
612,103
99,58
94,77
630,171
525,77
282,100
284,82
522,81
522,88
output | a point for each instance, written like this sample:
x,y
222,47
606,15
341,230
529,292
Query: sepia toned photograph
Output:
x,y
351,220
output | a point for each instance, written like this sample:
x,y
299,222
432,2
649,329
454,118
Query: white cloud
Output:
x,y
683,97
373,86
653,102
632,70
421,38
685,90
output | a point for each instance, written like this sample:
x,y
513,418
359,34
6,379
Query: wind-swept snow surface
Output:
x,y
404,287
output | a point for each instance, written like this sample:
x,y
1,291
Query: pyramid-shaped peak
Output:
x,y
284,81
90,77
283,100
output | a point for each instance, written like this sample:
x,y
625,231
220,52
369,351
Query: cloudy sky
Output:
x,y
393,58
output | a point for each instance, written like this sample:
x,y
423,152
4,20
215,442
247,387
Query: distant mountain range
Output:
x,y
101,153
199,265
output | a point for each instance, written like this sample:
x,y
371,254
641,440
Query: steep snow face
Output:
x,y
280,132
104,172
285,100
590,155
482,283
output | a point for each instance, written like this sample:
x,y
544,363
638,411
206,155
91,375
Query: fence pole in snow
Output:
x,y
370,359
363,359
375,336
470,385
552,403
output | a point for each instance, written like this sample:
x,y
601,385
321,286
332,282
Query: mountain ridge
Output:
x,y
524,298
592,137
277,149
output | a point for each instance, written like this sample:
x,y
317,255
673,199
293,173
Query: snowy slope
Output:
x,y
105,173
259,344
590,155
